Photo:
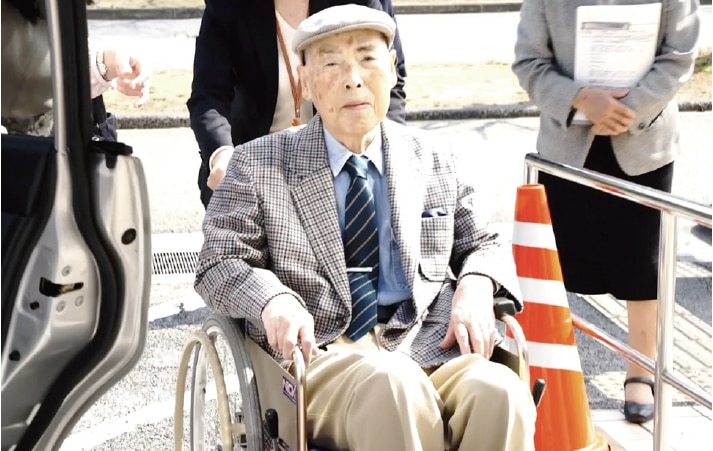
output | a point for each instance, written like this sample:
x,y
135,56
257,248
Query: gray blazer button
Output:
x,y
341,321
642,126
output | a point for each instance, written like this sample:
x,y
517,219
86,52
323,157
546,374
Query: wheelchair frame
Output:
x,y
246,427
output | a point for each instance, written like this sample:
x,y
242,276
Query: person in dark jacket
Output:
x,y
245,82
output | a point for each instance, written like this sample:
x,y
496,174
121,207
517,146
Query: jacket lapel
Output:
x,y
406,198
312,187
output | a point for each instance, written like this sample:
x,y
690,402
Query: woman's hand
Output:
x,y
602,107
133,77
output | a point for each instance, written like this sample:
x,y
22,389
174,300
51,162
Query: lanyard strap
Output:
x,y
296,87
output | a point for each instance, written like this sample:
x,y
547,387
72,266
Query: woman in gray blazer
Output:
x,y
607,244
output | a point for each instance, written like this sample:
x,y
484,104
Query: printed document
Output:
x,y
615,45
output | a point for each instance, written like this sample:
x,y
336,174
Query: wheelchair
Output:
x,y
242,399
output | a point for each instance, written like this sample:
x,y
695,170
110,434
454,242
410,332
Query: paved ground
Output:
x,y
137,414
429,38
497,147
689,428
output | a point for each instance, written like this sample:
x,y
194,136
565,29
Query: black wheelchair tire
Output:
x,y
252,416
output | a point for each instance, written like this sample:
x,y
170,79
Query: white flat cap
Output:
x,y
338,19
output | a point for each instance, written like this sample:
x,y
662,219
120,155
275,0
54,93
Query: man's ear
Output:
x,y
302,76
392,75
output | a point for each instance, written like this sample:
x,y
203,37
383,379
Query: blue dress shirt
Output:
x,y
393,287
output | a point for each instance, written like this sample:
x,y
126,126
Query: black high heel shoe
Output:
x,y
636,412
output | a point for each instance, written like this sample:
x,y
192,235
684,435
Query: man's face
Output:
x,y
348,77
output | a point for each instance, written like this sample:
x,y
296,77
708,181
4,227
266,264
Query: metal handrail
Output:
x,y
644,195
686,387
671,207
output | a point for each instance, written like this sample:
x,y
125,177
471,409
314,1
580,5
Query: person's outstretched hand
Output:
x,y
131,75
602,106
287,323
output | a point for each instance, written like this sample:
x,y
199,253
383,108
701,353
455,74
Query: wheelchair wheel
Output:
x,y
244,405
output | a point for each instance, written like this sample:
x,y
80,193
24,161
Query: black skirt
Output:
x,y
607,244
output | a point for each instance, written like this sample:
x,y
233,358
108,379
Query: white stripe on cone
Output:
x,y
546,355
532,234
540,291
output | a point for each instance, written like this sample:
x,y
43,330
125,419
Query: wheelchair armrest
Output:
x,y
504,306
505,311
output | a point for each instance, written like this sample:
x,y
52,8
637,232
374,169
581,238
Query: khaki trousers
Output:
x,y
364,398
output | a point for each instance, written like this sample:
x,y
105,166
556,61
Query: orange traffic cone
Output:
x,y
564,422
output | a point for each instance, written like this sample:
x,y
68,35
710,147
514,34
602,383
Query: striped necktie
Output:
x,y
361,248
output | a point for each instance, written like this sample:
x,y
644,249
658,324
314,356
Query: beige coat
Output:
x,y
544,64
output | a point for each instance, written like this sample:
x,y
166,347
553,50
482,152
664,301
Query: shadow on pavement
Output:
x,y
694,294
184,318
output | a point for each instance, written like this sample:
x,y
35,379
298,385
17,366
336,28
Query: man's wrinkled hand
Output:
x,y
602,107
220,166
472,324
288,324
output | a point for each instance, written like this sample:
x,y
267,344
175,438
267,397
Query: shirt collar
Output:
x,y
338,154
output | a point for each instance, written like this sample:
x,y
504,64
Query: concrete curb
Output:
x,y
197,13
614,445
155,121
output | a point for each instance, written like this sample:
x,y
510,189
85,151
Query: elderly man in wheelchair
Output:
x,y
357,255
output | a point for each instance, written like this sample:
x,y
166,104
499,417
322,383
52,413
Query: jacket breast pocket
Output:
x,y
436,245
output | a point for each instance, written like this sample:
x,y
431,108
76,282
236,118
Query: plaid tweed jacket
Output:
x,y
271,228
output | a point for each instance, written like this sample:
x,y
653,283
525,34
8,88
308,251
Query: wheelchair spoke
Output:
x,y
206,427
208,432
200,403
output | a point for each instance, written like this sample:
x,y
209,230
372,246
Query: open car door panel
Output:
x,y
76,256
